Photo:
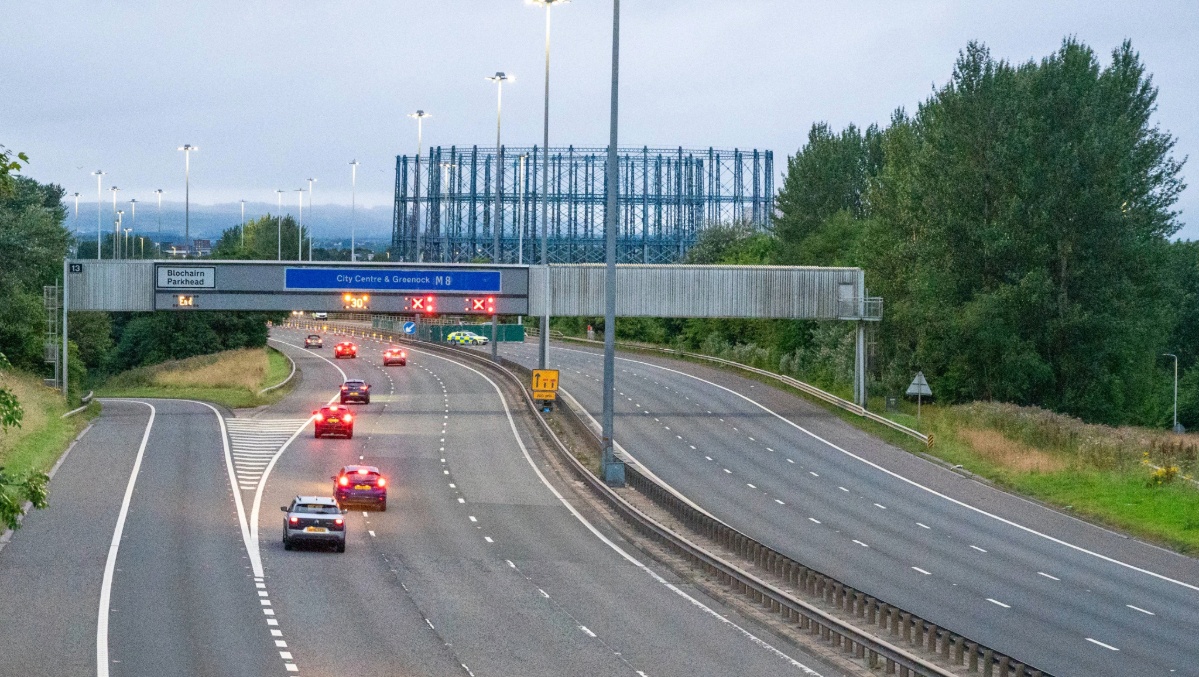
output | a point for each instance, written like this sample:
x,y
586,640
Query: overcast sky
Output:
x,y
276,92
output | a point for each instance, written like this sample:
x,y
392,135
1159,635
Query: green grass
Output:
x,y
233,379
44,434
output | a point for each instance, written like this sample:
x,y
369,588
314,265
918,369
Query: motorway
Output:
x,y
481,564
1066,596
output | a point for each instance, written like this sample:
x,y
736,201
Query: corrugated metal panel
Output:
x,y
698,291
112,285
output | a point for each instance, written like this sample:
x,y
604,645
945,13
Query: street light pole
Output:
x,y
496,224
353,209
187,188
613,470
125,244
419,116
99,196
159,192
300,227
133,208
310,213
279,222
243,224
114,190
544,333
117,225
520,210
1175,388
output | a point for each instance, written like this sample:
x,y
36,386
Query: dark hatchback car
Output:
x,y
333,420
356,390
360,485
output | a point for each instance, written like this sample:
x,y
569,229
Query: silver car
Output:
x,y
314,519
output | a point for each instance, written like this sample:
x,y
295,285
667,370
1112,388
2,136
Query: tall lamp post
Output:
x,y
243,224
116,236
419,116
279,223
496,224
159,194
117,218
1176,429
544,333
311,211
613,469
187,149
125,244
353,208
133,210
99,196
300,227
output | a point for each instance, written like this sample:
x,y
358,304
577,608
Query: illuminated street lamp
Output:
x,y
187,149
353,208
99,195
544,334
419,116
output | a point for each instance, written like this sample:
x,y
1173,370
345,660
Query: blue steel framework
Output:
x,y
667,198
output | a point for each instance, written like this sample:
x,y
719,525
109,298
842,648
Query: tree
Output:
x,y
265,238
8,166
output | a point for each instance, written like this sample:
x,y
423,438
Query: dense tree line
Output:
x,y
1017,225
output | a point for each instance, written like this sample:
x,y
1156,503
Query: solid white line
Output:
x,y
779,502
923,526
880,505
861,543
616,548
997,602
1106,646
911,482
1137,608
921,571
977,548
813,519
1052,578
585,629
110,564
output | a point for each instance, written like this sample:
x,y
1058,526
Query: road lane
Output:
x,y
476,563
51,570
820,505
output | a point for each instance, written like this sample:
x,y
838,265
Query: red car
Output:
x,y
360,485
395,356
334,420
345,349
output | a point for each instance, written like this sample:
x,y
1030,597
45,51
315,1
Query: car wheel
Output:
x,y
367,400
286,543
341,547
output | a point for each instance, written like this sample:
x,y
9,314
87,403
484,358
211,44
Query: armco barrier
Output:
x,y
859,625
806,388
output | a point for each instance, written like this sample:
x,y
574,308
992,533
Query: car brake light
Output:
x,y
382,482
339,521
343,480
294,520
402,353
320,417
367,387
348,417
345,387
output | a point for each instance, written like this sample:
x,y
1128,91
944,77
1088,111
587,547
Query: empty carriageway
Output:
x,y
1065,596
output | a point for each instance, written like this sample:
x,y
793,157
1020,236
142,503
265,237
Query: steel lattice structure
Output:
x,y
667,198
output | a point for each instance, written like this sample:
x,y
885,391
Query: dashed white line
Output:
x,y
472,518
1137,608
750,485
790,461
488,539
998,603
880,506
919,570
977,548
843,489
813,474
587,630
728,471
779,502
1106,646
430,624
461,500
371,532
813,519
1052,578
861,543
923,526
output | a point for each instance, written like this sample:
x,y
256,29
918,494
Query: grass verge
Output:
x,y
234,378
1109,476
44,434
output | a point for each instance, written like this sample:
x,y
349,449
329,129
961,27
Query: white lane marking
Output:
x,y
813,474
1052,578
262,593
1137,608
918,569
452,486
272,621
430,624
472,518
914,483
861,543
585,629
813,519
110,564
750,485
728,471
616,548
691,445
779,502
977,548
510,563
923,526
461,500
1106,646
997,602
280,643
285,655
790,461
543,593
769,449
488,539
880,506
276,633
843,489
371,532
291,667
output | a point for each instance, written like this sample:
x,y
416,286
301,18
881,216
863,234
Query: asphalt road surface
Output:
x,y
479,566
1036,584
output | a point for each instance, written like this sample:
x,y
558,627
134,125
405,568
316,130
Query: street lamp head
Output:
x,y
188,147
419,115
355,163
97,173
501,76
546,3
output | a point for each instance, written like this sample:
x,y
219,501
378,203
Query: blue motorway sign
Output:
x,y
409,327
410,280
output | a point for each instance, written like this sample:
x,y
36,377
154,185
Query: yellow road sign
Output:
x,y
545,379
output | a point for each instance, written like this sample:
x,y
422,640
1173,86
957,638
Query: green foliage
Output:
x,y
150,338
266,238
11,412
8,166
17,488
